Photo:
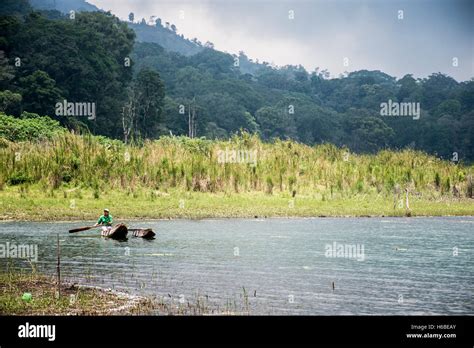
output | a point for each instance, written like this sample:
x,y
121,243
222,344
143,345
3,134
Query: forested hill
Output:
x,y
147,30
166,36
290,102
63,5
85,60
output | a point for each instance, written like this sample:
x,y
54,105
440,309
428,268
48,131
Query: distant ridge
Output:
x,y
63,5
166,38
159,34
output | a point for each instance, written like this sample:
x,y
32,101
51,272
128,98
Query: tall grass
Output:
x,y
100,164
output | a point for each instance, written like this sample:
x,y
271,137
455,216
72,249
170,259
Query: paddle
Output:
x,y
79,229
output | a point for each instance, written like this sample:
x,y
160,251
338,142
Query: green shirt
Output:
x,y
105,220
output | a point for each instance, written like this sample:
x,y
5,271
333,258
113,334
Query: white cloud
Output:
x,y
324,32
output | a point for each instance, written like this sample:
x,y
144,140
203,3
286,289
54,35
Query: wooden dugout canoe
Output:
x,y
119,231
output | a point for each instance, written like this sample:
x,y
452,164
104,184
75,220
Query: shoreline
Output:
x,y
37,205
75,299
89,300
123,220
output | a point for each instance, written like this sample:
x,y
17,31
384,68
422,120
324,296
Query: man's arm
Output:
x,y
99,222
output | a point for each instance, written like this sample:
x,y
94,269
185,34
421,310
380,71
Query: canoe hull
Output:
x,y
119,231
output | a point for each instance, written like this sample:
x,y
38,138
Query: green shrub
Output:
x,y
18,178
29,127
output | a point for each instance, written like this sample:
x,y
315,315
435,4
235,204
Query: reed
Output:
x,y
99,164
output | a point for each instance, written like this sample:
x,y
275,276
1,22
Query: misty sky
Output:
x,y
366,32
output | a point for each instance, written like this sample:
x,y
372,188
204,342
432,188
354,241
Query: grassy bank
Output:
x,y
74,177
41,298
81,205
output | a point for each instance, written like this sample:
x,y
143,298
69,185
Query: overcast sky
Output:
x,y
366,34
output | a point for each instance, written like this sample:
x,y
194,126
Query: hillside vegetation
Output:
x,y
143,90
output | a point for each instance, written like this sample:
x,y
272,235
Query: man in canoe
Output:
x,y
105,220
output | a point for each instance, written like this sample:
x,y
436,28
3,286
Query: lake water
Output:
x,y
398,266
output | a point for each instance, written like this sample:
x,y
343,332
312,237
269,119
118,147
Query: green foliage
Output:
x,y
275,123
368,134
14,7
30,127
6,71
10,102
81,60
39,93
18,178
149,93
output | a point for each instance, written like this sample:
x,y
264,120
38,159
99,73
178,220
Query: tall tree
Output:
x,y
149,91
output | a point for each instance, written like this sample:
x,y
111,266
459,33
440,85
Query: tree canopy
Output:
x,y
142,90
